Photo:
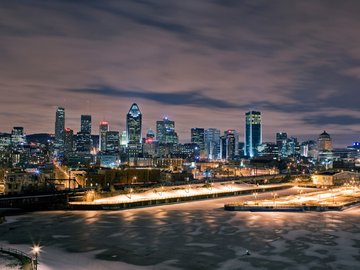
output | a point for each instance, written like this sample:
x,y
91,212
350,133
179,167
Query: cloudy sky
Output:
x,y
201,63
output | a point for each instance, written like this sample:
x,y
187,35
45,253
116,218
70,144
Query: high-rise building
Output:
x,y
85,124
83,138
133,125
325,142
325,154
232,141
112,141
17,136
293,147
253,133
69,140
281,142
198,137
103,128
133,132
60,128
165,132
212,143
83,142
308,149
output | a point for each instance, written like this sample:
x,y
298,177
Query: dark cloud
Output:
x,y
341,120
294,60
193,98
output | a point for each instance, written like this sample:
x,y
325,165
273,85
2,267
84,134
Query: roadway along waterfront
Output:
x,y
177,194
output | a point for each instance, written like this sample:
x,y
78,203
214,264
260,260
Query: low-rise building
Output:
x,y
334,178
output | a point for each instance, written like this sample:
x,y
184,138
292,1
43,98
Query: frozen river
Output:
x,y
196,235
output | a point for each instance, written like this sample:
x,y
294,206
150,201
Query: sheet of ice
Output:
x,y
194,235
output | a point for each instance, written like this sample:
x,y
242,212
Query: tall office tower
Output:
x,y
212,143
253,133
60,127
293,146
281,142
325,142
17,136
83,142
133,125
85,124
232,141
112,141
103,128
133,132
198,137
165,132
223,147
69,140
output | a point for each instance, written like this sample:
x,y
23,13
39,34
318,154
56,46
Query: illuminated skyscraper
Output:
x,y
85,124
133,132
212,143
17,136
60,128
133,125
103,128
165,132
112,141
232,141
198,137
253,133
281,142
69,140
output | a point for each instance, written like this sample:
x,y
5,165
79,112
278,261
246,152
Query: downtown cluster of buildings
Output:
x,y
128,155
131,147
112,148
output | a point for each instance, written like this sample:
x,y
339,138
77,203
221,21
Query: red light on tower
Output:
x,y
103,123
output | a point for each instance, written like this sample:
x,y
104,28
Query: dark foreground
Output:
x,y
196,235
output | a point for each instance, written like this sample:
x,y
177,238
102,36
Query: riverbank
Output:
x,y
335,199
172,197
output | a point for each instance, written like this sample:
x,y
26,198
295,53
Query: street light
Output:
x,y
36,251
274,196
255,196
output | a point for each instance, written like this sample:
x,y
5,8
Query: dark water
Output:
x,y
198,235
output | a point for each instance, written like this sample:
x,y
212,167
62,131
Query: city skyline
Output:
x,y
188,137
174,59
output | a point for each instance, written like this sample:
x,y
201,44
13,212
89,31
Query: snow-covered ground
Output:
x,y
194,235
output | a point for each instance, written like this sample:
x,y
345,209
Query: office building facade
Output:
x,y
253,133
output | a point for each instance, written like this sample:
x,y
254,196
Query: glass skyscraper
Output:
x,y
85,124
198,137
165,131
60,128
212,143
103,128
133,125
253,133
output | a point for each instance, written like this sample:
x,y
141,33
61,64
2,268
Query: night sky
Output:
x,y
201,63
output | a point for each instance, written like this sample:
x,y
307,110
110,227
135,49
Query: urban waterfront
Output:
x,y
196,235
